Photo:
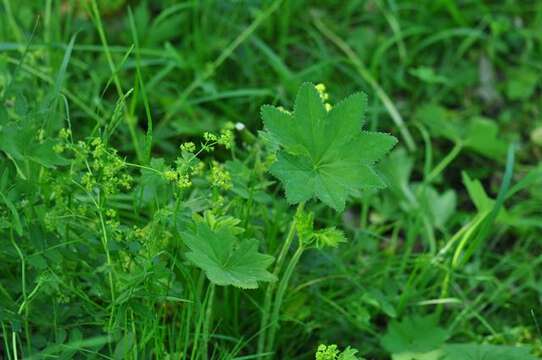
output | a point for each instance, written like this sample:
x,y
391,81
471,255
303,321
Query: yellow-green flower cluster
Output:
x,y
170,175
326,352
64,137
210,141
111,213
64,134
321,88
220,177
180,176
188,147
187,166
226,138
40,135
106,169
58,148
184,182
209,137
88,181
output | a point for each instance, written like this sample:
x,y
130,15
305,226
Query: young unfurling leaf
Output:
x,y
324,154
225,259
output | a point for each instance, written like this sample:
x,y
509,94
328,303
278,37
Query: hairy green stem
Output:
x,y
281,291
271,286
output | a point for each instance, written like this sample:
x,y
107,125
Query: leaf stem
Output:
x,y
281,291
264,326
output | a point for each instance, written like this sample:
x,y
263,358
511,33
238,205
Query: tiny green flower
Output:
x,y
111,213
321,88
209,136
126,181
325,352
88,181
220,177
58,148
41,135
184,182
226,138
188,147
64,134
170,175
198,169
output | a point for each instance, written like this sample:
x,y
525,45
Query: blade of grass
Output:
x,y
141,87
96,17
224,55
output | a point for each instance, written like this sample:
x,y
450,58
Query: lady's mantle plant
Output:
x,y
322,153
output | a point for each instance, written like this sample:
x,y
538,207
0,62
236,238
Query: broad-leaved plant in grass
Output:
x,y
325,154
322,154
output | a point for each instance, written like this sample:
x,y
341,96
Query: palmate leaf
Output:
x,y
324,154
225,259
486,352
420,338
413,335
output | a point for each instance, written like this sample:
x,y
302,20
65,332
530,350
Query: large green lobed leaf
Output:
x,y
325,154
225,259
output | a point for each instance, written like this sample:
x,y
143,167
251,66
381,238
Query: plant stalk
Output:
x,y
281,291
264,326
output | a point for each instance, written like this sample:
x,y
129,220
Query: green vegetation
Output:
x,y
174,186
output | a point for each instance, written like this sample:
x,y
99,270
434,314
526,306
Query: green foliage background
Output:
x,y
450,251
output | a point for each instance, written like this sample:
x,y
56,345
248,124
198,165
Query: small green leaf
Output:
x,y
225,259
323,154
439,207
428,75
328,237
522,83
349,354
440,121
478,133
482,137
332,352
477,194
414,335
